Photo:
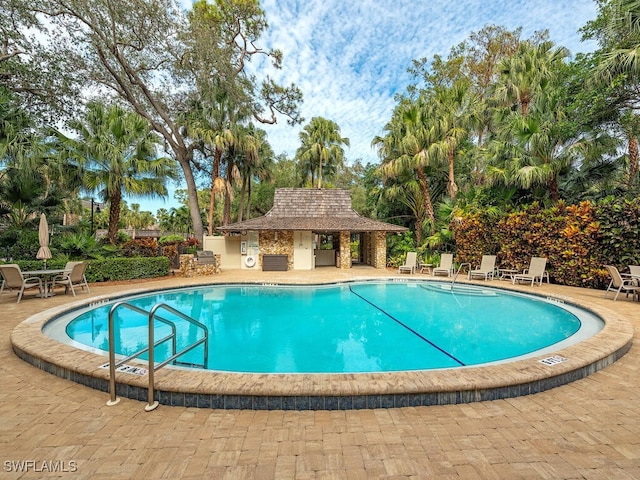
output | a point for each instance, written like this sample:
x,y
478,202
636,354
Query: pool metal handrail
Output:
x,y
455,277
152,315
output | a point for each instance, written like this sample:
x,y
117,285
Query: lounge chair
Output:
x,y
536,271
619,284
634,272
446,265
74,277
409,263
486,268
14,279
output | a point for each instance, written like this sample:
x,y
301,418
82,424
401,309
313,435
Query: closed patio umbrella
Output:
x,y
43,235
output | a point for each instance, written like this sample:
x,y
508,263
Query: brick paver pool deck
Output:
x,y
587,429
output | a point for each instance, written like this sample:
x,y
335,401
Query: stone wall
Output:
x,y
283,245
189,266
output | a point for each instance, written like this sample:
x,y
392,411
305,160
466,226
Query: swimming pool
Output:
x,y
341,328
562,363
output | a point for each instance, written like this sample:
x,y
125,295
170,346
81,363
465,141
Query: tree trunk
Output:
x,y
212,206
183,159
243,191
248,199
452,187
114,216
226,214
423,181
319,168
554,192
633,160
215,173
524,102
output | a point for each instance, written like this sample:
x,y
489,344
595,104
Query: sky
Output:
x,y
350,58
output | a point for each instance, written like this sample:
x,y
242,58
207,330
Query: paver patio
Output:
x,y
586,429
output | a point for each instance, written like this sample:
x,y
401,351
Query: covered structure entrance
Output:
x,y
308,228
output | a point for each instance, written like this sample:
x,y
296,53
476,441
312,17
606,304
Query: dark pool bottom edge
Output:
x,y
326,402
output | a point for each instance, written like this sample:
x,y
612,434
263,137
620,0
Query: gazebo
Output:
x,y
306,228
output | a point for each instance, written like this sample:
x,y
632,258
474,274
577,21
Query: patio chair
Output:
x,y
12,278
446,265
74,277
634,272
536,271
486,268
619,284
409,263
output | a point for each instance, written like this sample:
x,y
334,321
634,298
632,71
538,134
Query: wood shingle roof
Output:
x,y
318,210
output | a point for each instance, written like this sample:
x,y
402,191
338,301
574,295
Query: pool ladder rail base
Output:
x,y
152,316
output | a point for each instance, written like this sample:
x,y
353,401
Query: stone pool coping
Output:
x,y
211,389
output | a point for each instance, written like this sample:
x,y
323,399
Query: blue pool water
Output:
x,y
354,327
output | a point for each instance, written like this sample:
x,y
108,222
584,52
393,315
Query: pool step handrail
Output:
x,y
455,277
152,315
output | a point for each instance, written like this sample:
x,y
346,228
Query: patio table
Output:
x,y
506,273
45,275
427,266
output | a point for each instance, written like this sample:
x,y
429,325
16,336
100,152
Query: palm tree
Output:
x,y
222,132
409,194
621,36
136,219
255,163
321,148
212,124
404,149
454,113
531,145
526,73
617,30
30,181
535,148
176,220
118,155
23,194
630,124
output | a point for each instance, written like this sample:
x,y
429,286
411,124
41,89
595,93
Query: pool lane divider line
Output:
x,y
407,327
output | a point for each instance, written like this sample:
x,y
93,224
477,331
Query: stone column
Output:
x,y
345,250
380,250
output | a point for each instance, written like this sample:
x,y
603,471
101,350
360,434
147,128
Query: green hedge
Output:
x,y
127,268
110,268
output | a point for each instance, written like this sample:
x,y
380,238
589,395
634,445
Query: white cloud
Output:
x,y
350,58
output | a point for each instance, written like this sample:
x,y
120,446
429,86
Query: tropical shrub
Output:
x,y
170,251
620,231
192,244
570,237
78,246
140,247
19,243
575,254
171,239
397,248
475,235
